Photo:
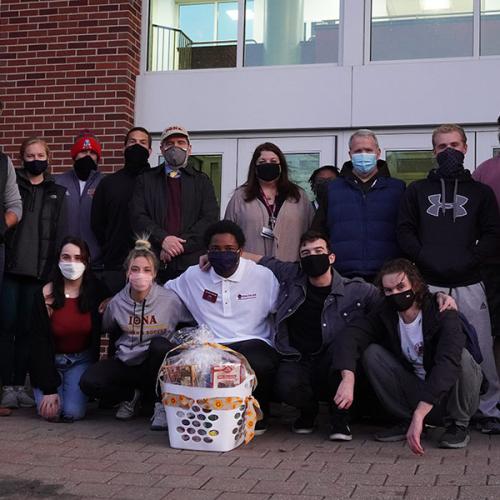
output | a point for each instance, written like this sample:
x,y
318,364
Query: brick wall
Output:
x,y
67,65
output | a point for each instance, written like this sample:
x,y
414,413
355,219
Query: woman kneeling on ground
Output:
x,y
66,330
139,320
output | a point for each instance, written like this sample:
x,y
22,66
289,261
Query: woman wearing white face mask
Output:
x,y
141,312
66,329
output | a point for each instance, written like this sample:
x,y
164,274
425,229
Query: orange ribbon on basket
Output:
x,y
253,413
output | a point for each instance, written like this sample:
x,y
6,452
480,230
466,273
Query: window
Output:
x,y
300,168
192,34
490,27
291,32
421,29
410,166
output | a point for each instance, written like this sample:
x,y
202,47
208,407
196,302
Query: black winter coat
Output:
x,y
199,210
444,341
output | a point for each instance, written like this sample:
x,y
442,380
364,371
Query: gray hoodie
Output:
x,y
139,322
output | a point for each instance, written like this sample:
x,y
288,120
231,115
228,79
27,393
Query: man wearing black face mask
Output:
x,y
315,305
80,183
449,225
416,358
110,216
174,204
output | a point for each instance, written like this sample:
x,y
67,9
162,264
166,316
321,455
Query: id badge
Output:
x,y
267,232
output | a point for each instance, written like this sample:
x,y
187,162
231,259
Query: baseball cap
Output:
x,y
174,130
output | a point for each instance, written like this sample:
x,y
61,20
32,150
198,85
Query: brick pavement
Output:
x,y
104,458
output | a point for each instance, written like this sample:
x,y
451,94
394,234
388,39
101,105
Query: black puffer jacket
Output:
x,y
50,218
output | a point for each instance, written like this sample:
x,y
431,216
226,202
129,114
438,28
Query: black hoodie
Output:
x,y
449,238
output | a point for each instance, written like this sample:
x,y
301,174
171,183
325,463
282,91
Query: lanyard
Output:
x,y
271,209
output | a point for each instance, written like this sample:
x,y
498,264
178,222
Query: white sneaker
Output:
x,y
159,418
9,397
23,398
129,409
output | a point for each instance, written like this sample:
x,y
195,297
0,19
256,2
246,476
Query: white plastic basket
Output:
x,y
196,428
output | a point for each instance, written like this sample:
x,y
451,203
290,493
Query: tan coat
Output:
x,y
294,218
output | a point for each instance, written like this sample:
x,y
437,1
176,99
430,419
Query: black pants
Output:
x,y
16,303
264,361
303,383
113,381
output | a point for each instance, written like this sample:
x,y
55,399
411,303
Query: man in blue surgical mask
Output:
x,y
359,211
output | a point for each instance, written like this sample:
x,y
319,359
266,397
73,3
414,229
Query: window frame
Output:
x,y
476,40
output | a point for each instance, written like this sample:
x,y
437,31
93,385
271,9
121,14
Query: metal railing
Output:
x,y
169,49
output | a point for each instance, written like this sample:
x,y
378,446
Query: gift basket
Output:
x,y
206,391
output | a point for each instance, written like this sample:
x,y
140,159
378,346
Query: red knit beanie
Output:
x,y
86,143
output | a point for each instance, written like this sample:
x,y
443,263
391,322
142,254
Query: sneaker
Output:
x,y
393,434
261,426
9,397
455,436
339,428
128,409
489,425
159,418
23,398
305,423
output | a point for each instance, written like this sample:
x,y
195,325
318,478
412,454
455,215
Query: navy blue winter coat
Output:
x,y
361,225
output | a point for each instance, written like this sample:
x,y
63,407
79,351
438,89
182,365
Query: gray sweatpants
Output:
x,y
398,389
471,301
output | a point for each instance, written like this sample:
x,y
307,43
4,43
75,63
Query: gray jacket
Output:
x,y
136,323
349,299
78,208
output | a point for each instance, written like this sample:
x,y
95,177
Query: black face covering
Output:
x,y
320,188
136,158
315,265
268,171
83,166
401,301
36,167
451,162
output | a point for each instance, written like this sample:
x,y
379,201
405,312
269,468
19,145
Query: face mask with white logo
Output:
x,y
72,270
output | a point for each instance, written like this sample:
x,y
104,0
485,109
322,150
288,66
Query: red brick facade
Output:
x,y
68,65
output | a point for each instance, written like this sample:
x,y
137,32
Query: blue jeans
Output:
x,y
73,402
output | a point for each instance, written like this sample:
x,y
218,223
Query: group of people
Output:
x,y
316,295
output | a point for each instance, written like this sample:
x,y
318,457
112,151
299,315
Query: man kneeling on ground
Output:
x,y
415,359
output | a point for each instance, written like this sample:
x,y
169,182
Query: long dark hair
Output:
x,y
416,280
84,299
285,186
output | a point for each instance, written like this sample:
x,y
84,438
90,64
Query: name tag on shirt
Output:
x,y
210,296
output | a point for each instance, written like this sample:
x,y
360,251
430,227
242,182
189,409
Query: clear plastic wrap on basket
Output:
x,y
207,393
199,362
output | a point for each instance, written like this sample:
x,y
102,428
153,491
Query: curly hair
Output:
x,y
416,280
